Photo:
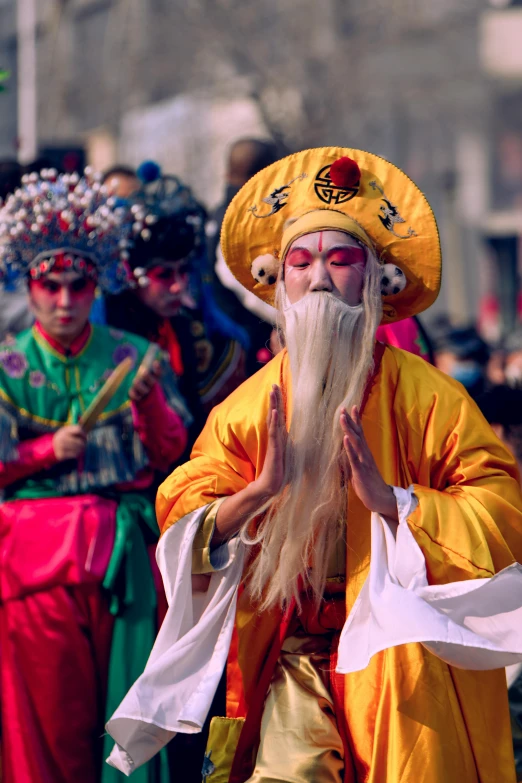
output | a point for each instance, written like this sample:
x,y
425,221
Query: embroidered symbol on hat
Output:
x,y
330,193
277,198
389,215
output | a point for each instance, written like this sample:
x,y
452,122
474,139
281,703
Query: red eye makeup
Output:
x,y
50,289
299,257
346,256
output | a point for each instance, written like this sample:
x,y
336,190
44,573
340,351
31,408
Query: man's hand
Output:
x,y
143,383
235,509
69,442
368,484
270,480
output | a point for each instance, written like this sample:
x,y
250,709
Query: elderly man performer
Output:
x,y
344,516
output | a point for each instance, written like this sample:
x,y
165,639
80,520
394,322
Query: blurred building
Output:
x,y
425,83
500,34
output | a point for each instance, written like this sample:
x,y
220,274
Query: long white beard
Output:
x,y
330,348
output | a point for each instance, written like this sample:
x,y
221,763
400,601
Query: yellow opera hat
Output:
x,y
343,189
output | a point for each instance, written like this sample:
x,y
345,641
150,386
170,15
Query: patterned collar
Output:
x,y
76,346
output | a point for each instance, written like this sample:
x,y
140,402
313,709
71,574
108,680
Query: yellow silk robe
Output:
x,y
411,717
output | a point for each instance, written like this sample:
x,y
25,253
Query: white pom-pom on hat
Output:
x,y
393,280
265,268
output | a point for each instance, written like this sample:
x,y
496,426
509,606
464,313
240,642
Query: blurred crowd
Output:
x,y
215,334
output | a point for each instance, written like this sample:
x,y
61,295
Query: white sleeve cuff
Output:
x,y
406,501
175,691
473,624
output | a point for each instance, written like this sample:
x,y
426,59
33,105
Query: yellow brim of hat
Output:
x,y
387,209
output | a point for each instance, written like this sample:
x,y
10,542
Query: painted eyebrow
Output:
x,y
301,249
344,247
330,249
62,282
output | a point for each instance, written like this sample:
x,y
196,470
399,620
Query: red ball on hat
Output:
x,y
345,173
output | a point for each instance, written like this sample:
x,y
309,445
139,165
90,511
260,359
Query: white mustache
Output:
x,y
303,303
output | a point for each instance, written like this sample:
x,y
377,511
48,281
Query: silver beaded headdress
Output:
x,y
64,216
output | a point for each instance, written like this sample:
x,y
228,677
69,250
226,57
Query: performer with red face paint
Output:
x,y
77,596
173,303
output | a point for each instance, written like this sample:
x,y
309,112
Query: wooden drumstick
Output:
x,y
92,413
148,360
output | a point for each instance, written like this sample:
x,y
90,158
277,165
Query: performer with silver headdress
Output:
x,y
86,414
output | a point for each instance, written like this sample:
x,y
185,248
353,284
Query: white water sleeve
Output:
x,y
474,624
175,691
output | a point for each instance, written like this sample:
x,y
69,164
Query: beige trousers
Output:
x,y
299,737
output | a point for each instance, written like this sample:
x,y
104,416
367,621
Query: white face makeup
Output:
x,y
325,261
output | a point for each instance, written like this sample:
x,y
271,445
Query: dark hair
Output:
x,y
257,155
171,238
10,177
126,311
121,169
502,405
464,342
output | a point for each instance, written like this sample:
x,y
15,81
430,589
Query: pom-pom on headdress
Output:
x,y
148,171
64,221
345,173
